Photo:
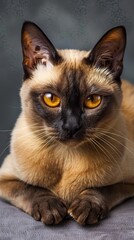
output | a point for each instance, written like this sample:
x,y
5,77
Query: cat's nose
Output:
x,y
71,127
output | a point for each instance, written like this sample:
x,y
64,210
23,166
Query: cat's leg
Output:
x,y
92,205
39,202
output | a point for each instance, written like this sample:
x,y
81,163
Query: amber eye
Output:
x,y
92,101
51,100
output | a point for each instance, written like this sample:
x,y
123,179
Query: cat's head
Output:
x,y
70,94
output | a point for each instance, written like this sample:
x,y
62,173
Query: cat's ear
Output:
x,y
36,48
109,51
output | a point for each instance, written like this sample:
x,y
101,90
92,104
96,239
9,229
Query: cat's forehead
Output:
x,y
71,71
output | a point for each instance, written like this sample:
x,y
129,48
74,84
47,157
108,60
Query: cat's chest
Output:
x,y
68,173
80,172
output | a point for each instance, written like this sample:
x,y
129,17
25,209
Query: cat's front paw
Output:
x,y
88,208
48,209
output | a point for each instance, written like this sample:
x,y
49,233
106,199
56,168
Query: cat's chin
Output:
x,y
72,142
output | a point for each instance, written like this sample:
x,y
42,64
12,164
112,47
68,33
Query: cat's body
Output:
x,y
71,166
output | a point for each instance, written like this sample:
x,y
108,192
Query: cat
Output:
x,y
72,145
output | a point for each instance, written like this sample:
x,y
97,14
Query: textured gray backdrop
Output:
x,y
69,24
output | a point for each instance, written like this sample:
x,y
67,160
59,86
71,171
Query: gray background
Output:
x,y
69,24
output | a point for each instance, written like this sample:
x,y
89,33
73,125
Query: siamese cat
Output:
x,y
72,147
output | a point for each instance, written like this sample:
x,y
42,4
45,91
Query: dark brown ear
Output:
x,y
36,48
109,51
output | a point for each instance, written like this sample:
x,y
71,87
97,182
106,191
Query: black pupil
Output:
x,y
52,97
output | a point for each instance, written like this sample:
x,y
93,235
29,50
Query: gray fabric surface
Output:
x,y
17,225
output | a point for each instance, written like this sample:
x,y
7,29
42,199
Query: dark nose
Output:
x,y
71,126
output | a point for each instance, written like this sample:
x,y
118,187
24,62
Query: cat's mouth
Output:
x,y
72,140
78,139
69,139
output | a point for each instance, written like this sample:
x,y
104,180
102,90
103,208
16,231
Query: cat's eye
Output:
x,y
92,101
51,100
